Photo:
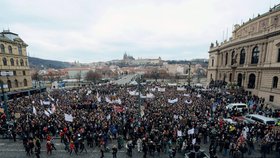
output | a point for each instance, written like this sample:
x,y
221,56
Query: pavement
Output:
x,y
11,149
255,154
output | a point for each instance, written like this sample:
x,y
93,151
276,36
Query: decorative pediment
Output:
x,y
278,44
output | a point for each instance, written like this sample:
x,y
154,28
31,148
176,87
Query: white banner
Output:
x,y
133,93
191,131
68,118
150,95
172,101
181,88
186,95
161,89
98,97
46,103
172,84
88,92
194,141
179,133
117,101
108,100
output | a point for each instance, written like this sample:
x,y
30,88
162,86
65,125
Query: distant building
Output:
x,y
75,73
14,67
251,58
178,69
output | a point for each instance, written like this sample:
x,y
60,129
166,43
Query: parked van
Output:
x,y
237,106
260,119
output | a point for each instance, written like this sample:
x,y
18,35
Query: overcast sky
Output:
x,y
102,30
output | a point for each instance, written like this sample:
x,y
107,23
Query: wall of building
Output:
x,y
224,58
20,78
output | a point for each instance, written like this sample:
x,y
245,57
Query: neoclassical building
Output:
x,y
15,74
251,57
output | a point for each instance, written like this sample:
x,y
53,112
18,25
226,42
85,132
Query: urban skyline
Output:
x,y
90,32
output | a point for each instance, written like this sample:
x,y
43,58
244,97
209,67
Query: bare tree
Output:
x,y
78,76
36,77
93,76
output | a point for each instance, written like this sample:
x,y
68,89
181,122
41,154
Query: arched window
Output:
x,y
230,77
232,58
4,61
21,62
255,55
16,82
2,47
226,59
19,50
10,50
275,82
239,80
252,80
242,57
12,62
9,84
25,82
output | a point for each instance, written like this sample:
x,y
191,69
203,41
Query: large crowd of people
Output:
x,y
160,120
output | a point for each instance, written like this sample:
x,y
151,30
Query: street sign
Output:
x,y
7,73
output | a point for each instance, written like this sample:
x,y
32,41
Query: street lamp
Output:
x,y
139,96
189,78
5,98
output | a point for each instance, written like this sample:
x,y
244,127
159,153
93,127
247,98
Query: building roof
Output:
x,y
8,36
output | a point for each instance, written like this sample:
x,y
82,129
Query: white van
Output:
x,y
237,106
260,119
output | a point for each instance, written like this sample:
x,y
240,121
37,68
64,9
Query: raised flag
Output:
x,y
34,111
68,118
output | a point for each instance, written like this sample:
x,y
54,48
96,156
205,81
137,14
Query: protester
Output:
x,y
170,119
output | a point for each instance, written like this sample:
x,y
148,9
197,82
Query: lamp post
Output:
x,y
9,86
5,100
139,96
4,94
189,78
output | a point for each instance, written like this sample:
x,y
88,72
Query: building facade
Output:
x,y
14,67
251,57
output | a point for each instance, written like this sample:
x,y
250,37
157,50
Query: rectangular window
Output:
x,y
226,59
15,73
212,62
271,98
278,59
23,73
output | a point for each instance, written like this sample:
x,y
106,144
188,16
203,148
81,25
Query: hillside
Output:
x,y
42,63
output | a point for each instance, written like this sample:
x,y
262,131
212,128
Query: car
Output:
x,y
241,119
260,119
238,106
230,121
